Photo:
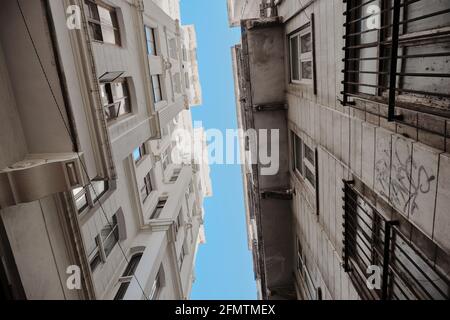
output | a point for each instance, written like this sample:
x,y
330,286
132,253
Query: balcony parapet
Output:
x,y
38,176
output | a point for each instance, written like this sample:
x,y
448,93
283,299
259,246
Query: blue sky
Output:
x,y
224,267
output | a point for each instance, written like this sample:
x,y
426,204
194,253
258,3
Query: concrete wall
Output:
x,y
34,101
408,174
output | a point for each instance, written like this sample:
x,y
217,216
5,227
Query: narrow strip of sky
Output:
x,y
224,268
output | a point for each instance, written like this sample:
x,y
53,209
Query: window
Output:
x,y
301,56
179,222
303,160
372,241
127,276
147,188
158,284
309,165
298,154
103,23
87,197
81,200
115,98
307,283
105,241
176,174
186,80
97,189
110,236
390,48
158,209
139,153
94,257
183,255
165,159
151,40
157,91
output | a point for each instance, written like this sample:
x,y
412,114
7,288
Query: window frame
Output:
x,y
113,232
158,285
142,150
152,42
97,22
183,254
128,275
99,253
304,162
160,205
302,57
175,175
148,187
179,222
113,101
157,90
91,198
303,271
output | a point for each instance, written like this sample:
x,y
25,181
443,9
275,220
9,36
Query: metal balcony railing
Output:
x,y
396,49
371,242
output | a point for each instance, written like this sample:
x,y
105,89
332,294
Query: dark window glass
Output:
x,y
298,154
110,236
159,208
129,271
294,59
103,23
156,84
115,98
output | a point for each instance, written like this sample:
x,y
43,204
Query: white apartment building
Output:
x,y
87,177
359,91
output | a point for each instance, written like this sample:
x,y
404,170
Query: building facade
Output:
x,y
359,93
93,203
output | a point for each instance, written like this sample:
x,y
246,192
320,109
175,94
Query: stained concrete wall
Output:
x,y
408,171
34,101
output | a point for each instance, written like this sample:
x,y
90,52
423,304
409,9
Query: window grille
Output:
x,y
372,240
391,50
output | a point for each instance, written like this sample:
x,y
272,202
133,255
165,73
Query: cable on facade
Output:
x,y
72,138
304,10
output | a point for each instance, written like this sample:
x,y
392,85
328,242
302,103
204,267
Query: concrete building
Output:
x,y
359,91
92,204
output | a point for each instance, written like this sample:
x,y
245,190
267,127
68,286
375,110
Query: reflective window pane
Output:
x,y
306,43
307,70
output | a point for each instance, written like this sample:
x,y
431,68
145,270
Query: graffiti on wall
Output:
x,y
405,180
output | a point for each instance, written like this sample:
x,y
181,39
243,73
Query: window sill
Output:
x,y
101,43
120,120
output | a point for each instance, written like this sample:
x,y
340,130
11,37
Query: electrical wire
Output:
x,y
303,8
74,141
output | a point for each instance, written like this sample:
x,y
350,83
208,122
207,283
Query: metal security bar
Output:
x,y
371,242
387,42
412,276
